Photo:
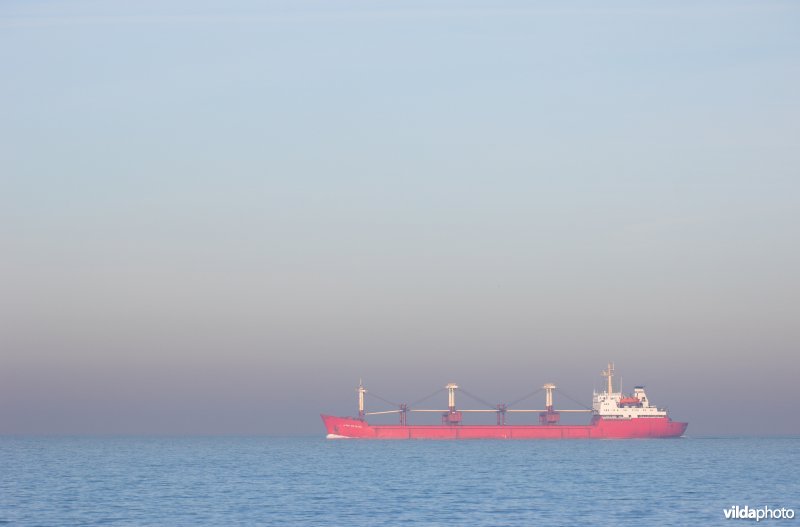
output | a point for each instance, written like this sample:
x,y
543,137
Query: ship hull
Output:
x,y
599,428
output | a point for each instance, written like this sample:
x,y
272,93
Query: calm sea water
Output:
x,y
313,481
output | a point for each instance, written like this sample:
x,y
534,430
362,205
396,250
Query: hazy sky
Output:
x,y
216,217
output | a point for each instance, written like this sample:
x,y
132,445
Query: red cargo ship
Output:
x,y
614,416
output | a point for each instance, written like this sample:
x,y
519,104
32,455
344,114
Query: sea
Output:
x,y
311,481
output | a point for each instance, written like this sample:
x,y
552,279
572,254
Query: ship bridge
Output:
x,y
612,404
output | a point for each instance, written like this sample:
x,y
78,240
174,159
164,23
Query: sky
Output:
x,y
215,217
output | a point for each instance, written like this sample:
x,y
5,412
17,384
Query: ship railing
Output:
x,y
555,410
471,410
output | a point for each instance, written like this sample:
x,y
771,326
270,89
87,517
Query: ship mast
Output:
x,y
361,392
548,400
549,416
609,373
451,396
451,417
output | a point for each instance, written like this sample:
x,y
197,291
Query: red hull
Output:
x,y
599,428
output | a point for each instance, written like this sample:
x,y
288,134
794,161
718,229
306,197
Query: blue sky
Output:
x,y
216,217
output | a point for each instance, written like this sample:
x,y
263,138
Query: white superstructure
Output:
x,y
616,405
